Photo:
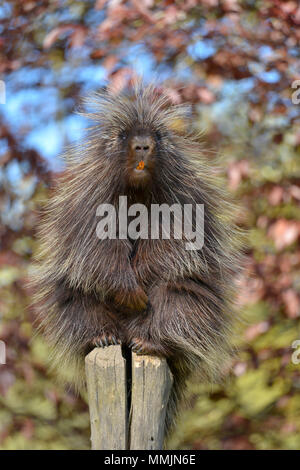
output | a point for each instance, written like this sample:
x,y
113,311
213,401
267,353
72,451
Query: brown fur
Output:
x,y
151,295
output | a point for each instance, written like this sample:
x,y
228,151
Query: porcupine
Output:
x,y
152,295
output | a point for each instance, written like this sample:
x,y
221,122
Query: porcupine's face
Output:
x,y
140,151
139,136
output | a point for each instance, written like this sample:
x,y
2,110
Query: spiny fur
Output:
x,y
190,311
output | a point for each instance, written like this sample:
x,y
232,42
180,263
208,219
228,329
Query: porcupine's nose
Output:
x,y
142,147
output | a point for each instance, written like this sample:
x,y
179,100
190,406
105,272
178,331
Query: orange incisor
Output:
x,y
141,165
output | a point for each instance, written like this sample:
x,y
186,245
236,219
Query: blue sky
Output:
x,y
34,106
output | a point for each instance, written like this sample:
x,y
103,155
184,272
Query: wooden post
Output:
x,y
151,386
146,382
107,392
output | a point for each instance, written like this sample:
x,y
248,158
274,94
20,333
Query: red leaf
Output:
x,y
77,37
284,233
276,196
205,96
256,330
236,172
292,303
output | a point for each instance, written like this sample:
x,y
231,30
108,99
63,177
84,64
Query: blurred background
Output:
x,y
236,62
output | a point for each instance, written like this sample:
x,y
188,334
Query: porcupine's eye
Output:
x,y
123,136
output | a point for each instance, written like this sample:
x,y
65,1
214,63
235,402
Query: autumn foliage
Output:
x,y
235,62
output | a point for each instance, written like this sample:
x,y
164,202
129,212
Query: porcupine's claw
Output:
x,y
114,339
104,340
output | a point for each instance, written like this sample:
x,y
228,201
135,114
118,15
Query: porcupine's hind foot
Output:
x,y
148,347
104,340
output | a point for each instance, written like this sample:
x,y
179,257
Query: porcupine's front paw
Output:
x,y
104,340
135,300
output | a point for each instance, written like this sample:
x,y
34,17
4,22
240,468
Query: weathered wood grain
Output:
x,y
107,394
151,386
